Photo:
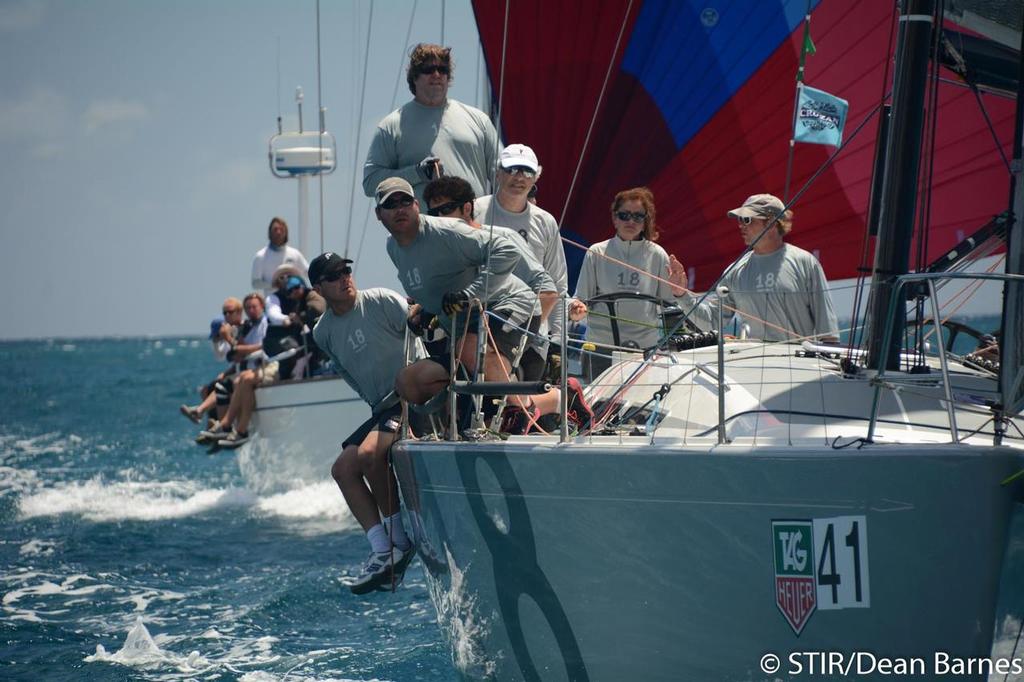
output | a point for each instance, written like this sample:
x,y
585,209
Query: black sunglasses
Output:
x,y
525,171
445,209
635,216
435,68
398,202
337,275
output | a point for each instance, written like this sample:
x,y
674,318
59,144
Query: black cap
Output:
x,y
325,264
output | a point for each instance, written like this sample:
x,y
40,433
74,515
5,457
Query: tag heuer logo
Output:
x,y
795,589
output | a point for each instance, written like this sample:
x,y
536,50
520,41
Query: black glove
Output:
x,y
431,167
421,322
454,302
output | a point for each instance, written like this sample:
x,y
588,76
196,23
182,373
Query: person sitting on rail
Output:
x,y
254,373
223,334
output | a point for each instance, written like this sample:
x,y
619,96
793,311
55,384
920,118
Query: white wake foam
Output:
x,y
99,500
141,651
318,506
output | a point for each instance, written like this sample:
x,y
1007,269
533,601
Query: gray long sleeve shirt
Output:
x,y
540,230
599,276
786,288
458,134
449,255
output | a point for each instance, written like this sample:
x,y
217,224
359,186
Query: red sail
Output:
x,y
698,106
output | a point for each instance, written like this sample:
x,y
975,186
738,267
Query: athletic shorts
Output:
x,y
388,421
506,337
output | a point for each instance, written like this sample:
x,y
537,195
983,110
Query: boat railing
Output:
x,y
929,280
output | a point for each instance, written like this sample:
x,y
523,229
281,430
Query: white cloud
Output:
x,y
113,112
21,15
42,112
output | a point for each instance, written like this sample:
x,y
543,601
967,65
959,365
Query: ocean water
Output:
x,y
129,553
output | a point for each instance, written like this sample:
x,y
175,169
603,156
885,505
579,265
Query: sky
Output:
x,y
135,187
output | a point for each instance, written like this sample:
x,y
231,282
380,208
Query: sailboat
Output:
x,y
742,510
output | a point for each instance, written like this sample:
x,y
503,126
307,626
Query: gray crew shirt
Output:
x,y
786,288
540,230
599,276
458,134
449,255
367,344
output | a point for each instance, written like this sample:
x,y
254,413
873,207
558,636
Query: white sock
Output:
x,y
378,538
396,531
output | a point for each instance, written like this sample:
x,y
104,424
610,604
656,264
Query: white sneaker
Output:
x,y
212,434
233,440
378,570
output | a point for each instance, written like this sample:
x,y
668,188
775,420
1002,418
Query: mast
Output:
x,y
1011,347
899,184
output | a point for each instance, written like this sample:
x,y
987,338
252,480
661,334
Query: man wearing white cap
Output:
x,y
432,135
779,289
518,171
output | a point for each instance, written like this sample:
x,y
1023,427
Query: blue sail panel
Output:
x,y
693,56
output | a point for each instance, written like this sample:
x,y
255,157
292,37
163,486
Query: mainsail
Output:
x,y
698,106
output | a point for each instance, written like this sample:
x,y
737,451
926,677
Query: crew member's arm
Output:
x,y
504,255
705,315
258,283
822,311
274,314
382,163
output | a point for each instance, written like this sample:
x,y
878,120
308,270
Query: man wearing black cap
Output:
x,y
779,289
363,332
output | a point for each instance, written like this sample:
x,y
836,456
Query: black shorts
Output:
x,y
388,421
507,340
533,365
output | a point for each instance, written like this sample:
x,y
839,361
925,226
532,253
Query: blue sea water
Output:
x,y
110,516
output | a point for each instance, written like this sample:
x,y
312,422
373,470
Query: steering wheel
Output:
x,y
670,313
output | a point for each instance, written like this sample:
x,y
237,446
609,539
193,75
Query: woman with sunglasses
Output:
x,y
628,263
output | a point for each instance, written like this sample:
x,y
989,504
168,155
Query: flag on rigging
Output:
x,y
820,117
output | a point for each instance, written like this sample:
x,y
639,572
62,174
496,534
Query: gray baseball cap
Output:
x,y
392,186
759,206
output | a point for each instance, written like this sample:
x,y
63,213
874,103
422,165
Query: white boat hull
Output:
x,y
298,430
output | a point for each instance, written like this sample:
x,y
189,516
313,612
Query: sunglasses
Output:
x,y
445,209
344,272
525,171
435,68
229,311
627,216
746,219
402,202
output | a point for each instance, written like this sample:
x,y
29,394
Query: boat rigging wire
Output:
x,y
593,118
320,137
864,270
482,324
359,127
394,101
